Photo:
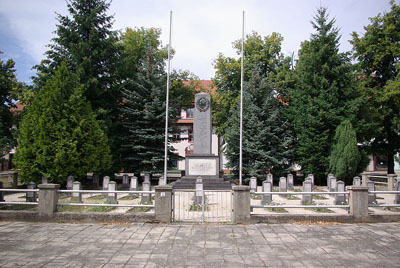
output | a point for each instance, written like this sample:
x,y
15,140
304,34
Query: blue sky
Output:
x,y
201,29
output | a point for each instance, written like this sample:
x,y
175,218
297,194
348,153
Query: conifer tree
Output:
x,y
345,156
323,95
144,92
59,135
85,39
266,138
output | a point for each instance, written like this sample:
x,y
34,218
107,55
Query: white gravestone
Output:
x,y
253,184
270,178
290,183
340,198
266,198
306,199
106,181
199,191
112,197
332,187
371,197
356,181
282,184
76,197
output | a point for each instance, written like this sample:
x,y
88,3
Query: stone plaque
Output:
x,y
202,124
205,167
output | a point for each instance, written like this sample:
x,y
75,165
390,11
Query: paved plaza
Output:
x,y
25,244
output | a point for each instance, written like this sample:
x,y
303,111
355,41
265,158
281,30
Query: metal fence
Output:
x,y
34,196
300,206
202,206
385,204
148,195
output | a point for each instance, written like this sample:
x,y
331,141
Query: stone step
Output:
x,y
208,184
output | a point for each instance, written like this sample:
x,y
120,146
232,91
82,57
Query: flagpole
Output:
x,y
241,107
167,102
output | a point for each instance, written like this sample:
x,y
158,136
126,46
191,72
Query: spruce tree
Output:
x,y
345,156
266,138
323,95
59,135
143,109
144,121
85,39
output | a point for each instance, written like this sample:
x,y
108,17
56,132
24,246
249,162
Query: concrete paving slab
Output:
x,y
212,245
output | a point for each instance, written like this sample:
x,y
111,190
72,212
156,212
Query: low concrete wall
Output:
x,y
92,217
323,218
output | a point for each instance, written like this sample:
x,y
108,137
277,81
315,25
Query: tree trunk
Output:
x,y
390,163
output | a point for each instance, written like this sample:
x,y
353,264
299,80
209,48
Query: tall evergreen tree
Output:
x,y
322,97
143,109
85,39
345,158
266,138
378,54
59,135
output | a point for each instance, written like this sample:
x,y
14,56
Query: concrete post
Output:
x,y
358,201
241,204
364,177
48,198
44,180
163,203
391,181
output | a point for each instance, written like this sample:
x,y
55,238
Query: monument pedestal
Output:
x,y
202,162
205,166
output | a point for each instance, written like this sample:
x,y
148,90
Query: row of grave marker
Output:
x,y
333,185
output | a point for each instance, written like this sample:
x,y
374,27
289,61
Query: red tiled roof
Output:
x,y
18,107
184,121
204,85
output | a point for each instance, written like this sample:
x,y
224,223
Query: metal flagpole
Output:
x,y
241,107
167,102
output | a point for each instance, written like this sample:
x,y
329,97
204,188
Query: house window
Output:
x,y
189,113
176,133
190,134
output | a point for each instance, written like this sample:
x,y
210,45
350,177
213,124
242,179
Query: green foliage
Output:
x,y
85,39
143,111
8,82
323,95
345,156
266,137
59,135
378,53
262,54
